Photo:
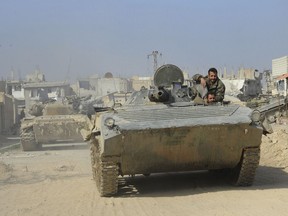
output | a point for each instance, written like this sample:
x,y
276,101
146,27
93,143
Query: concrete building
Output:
x,y
42,91
15,88
2,86
103,86
36,76
9,115
246,73
279,66
139,82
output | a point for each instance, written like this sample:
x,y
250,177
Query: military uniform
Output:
x,y
218,88
197,93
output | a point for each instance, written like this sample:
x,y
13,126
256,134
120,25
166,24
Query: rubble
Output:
x,y
274,147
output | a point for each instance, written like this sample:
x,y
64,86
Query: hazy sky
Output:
x,y
68,39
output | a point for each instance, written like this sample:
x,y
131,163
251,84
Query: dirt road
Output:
x,y
58,181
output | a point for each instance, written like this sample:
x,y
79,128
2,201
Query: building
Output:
x,y
139,82
2,86
43,91
279,66
98,87
15,88
247,73
9,115
103,86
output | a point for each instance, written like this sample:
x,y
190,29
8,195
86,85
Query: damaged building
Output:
x,y
10,115
44,91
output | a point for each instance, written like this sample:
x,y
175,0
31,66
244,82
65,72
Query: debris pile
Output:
x,y
274,147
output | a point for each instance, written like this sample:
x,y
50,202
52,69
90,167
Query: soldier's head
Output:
x,y
212,75
210,97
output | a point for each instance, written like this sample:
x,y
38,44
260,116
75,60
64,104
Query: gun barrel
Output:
x,y
158,95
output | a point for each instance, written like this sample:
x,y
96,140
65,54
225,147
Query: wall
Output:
x,y
139,82
8,112
2,86
279,66
104,86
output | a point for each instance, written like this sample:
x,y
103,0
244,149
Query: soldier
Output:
x,y
213,83
210,98
200,96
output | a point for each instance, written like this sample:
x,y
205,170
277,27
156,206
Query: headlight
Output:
x,y
109,122
256,115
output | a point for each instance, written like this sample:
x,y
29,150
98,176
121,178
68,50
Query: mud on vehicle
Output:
x,y
162,130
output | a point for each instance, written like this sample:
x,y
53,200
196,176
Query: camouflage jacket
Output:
x,y
218,88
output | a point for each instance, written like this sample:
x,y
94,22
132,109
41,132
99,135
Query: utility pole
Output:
x,y
155,55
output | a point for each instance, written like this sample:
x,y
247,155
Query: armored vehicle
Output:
x,y
57,124
162,130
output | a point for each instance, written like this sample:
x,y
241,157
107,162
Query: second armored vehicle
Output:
x,y
162,130
59,124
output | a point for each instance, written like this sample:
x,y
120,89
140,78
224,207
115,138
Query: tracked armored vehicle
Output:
x,y
58,124
162,130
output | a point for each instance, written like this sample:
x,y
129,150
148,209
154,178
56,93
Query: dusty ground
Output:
x,y
58,181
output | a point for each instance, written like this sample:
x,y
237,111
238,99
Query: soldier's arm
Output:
x,y
220,93
198,78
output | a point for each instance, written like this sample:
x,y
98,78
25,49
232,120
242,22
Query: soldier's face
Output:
x,y
212,76
210,98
